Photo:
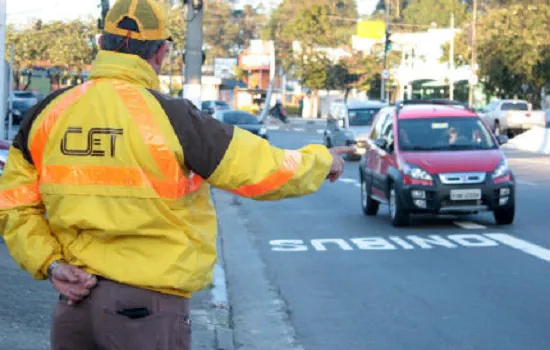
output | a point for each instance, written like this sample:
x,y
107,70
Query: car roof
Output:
x,y
223,111
432,111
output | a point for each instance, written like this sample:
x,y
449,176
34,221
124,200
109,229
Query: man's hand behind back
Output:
x,y
337,167
72,282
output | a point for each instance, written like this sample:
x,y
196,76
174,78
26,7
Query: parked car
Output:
x,y
22,101
212,106
438,159
243,120
511,117
4,148
350,123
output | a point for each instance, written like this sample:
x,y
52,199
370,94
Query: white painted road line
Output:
x,y
468,225
520,244
320,131
348,181
299,129
522,182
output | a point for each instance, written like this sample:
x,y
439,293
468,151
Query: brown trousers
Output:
x,y
121,317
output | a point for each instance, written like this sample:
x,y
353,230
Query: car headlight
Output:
x,y
416,172
262,131
502,169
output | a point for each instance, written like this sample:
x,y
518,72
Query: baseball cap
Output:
x,y
149,16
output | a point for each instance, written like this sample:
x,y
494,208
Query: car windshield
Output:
x,y
363,116
24,94
519,106
444,134
239,118
221,104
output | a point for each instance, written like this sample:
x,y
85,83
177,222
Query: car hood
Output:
x,y
360,130
455,161
255,128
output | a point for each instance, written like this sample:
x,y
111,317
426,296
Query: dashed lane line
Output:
x,y
468,225
527,183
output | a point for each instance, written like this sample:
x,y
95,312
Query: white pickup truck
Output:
x,y
511,117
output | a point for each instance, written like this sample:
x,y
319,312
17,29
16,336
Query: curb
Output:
x,y
221,315
221,311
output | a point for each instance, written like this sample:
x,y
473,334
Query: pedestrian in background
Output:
x,y
123,172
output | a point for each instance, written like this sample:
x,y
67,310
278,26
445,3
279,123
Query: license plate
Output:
x,y
465,195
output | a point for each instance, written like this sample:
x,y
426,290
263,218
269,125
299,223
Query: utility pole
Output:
x,y
3,78
10,92
473,62
387,42
193,55
105,6
452,57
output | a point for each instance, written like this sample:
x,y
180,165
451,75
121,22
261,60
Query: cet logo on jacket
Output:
x,y
94,142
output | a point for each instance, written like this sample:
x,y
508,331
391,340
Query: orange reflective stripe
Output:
x,y
21,195
174,184
93,175
40,138
288,169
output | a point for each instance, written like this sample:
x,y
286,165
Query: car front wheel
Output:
x,y
398,215
369,205
505,216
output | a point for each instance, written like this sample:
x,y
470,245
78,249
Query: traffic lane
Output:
x,y
26,307
332,282
533,190
443,297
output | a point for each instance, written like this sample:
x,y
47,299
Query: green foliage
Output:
x,y
514,51
426,12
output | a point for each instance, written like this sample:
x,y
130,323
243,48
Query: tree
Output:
x,y
249,21
426,12
359,72
220,30
514,52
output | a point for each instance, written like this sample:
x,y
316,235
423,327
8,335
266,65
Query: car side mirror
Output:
x,y
502,139
381,143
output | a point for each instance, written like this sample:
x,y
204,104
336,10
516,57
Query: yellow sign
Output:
x,y
371,29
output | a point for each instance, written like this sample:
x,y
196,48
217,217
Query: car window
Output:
x,y
363,116
221,104
379,122
205,105
239,118
492,106
24,94
514,106
444,134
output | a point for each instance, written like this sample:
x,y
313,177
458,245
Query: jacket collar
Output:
x,y
129,68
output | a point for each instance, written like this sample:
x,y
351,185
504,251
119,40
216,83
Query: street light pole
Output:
x,y
473,61
3,78
452,58
383,80
193,53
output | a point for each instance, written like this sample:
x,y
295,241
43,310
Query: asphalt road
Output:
x,y
348,281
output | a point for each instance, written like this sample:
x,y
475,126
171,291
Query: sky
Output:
x,y
23,11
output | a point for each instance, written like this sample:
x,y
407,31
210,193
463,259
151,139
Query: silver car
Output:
x,y
349,123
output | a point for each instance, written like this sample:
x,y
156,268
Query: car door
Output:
x,y
387,155
332,125
373,160
340,132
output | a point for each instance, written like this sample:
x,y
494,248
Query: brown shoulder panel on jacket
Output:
x,y
21,139
204,139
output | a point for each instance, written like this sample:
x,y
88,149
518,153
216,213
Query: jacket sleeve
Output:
x,y
238,161
22,217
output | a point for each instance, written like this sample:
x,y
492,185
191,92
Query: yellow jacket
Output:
x,y
123,172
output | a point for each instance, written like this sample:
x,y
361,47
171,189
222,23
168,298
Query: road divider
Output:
x,y
410,242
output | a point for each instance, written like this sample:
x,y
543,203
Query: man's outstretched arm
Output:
x,y
235,160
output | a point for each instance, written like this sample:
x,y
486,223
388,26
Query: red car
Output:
x,y
438,158
4,147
